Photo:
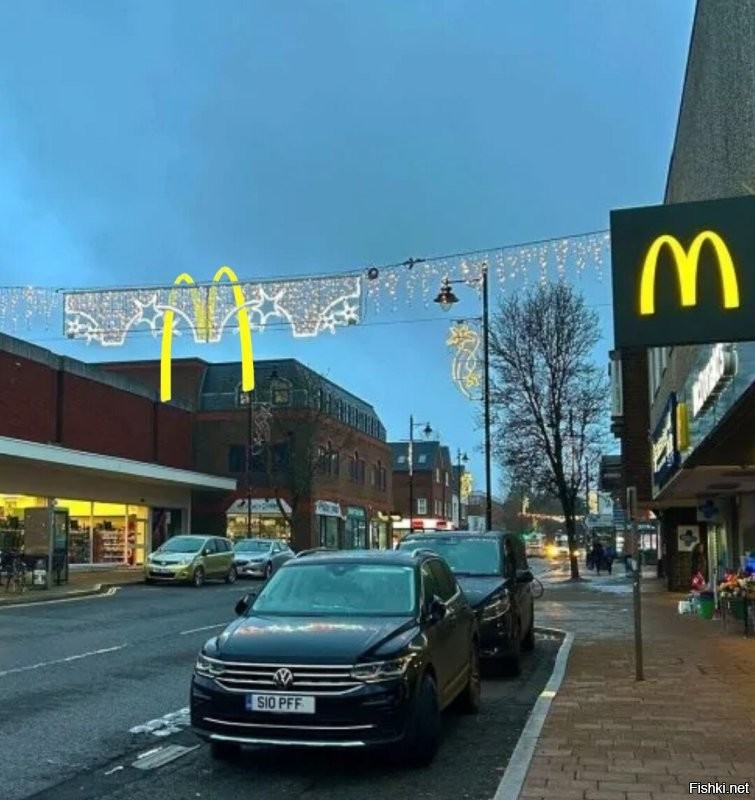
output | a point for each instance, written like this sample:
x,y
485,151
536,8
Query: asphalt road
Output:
x,y
79,681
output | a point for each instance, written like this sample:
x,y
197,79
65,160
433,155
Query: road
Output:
x,y
79,681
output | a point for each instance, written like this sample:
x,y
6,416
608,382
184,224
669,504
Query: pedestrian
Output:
x,y
610,557
597,556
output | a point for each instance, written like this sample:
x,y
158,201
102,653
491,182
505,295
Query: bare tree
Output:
x,y
307,439
549,398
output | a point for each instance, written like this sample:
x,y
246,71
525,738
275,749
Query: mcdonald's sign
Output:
x,y
204,318
684,273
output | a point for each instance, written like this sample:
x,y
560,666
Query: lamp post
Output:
x,y
445,299
459,458
427,430
245,398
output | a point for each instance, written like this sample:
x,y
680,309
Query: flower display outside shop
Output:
x,y
737,587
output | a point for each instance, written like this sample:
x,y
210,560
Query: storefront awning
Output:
x,y
22,452
259,506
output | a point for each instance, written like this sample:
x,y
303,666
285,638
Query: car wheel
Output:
x,y
268,570
469,700
232,575
423,729
198,577
511,664
224,751
528,643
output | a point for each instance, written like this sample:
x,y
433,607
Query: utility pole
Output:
x,y
636,585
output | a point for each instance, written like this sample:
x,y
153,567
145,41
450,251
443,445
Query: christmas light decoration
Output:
x,y
465,367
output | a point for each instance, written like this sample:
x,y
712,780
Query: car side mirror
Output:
x,y
243,605
524,576
436,610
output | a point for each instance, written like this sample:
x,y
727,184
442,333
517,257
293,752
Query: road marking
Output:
x,y
162,756
204,628
68,659
109,593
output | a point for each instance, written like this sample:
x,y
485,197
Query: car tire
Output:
x,y
197,578
528,643
469,701
224,751
232,575
268,570
511,663
422,737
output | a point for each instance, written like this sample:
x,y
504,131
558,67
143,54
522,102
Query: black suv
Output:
x,y
493,571
342,649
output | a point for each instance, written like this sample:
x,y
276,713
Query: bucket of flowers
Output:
x,y
736,589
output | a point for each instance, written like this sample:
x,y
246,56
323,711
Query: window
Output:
x,y
361,470
444,580
280,457
335,462
430,588
421,505
237,458
383,479
401,460
446,477
374,475
323,460
422,459
437,508
448,510
280,392
321,399
354,467
437,475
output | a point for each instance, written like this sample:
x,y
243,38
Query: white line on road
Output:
x,y
66,660
204,628
109,593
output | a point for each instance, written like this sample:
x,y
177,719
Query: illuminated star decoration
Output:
x,y
149,313
465,367
268,306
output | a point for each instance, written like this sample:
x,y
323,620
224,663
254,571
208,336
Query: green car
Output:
x,y
191,559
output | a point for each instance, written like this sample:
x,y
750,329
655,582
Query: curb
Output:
x,y
513,778
99,589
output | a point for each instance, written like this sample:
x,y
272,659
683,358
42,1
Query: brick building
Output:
x,y
435,490
700,484
113,462
321,470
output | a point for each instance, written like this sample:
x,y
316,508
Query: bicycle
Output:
x,y
539,583
16,575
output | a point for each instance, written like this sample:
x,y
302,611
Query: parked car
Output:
x,y
260,558
353,649
191,559
493,571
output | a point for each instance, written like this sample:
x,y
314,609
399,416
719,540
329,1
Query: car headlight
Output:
x,y
208,666
496,608
381,670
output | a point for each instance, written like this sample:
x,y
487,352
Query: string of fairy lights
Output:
x,y
310,305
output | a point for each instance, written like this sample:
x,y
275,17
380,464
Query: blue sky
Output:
x,y
142,139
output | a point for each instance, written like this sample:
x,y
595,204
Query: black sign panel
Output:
x,y
684,273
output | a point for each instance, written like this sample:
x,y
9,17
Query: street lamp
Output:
x,y
427,430
445,299
245,398
459,458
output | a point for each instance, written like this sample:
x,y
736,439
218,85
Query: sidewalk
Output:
x,y
80,583
608,737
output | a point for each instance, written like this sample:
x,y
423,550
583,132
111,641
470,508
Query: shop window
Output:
x,y
421,505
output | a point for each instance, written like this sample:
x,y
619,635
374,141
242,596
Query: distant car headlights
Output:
x,y
382,670
495,608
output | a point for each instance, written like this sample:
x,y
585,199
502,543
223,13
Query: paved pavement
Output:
x,y
80,583
608,737
88,686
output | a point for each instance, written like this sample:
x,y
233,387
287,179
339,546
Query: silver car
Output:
x,y
260,558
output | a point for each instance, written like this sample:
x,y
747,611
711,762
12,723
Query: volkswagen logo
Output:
x,y
283,678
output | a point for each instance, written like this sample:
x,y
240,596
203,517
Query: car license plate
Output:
x,y
280,703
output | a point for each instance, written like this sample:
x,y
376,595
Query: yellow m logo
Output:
x,y
686,269
204,317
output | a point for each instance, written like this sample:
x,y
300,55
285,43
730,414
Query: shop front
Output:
x,y
355,533
117,510
329,518
266,521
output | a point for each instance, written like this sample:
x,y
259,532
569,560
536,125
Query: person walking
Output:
x,y
597,556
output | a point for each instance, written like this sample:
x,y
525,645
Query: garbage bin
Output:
x,y
707,606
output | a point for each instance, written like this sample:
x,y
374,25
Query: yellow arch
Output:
x,y
686,269
204,322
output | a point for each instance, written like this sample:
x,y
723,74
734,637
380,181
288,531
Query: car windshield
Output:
x,y
182,544
252,546
473,556
339,590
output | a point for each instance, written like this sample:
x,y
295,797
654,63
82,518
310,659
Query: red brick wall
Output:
x,y
27,399
186,376
175,432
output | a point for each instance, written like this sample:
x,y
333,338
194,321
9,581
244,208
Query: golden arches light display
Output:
x,y
204,315
686,269
464,340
